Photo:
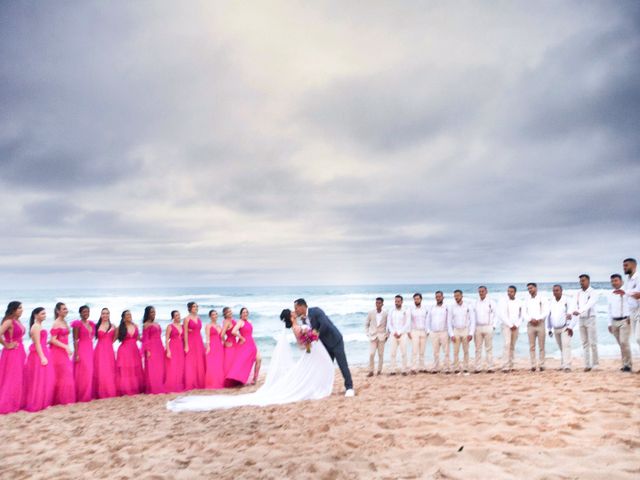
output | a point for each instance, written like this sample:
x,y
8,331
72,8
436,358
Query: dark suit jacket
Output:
x,y
329,335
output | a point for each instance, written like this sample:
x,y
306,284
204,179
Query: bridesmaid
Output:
x,y
39,371
194,369
129,375
83,332
174,380
214,349
64,390
230,344
104,360
246,354
153,352
12,359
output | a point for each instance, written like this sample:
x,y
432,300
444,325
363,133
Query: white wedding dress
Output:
x,y
310,378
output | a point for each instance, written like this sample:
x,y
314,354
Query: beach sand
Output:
x,y
518,425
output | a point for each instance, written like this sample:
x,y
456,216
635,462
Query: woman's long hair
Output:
x,y
147,313
100,321
58,308
122,328
12,308
285,316
34,314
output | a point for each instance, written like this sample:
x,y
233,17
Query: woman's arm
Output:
x,y
3,328
167,336
207,340
76,338
185,333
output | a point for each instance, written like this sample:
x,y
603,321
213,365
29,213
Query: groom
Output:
x,y
330,337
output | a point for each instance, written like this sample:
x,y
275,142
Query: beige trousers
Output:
x,y
460,338
395,343
510,338
621,330
589,341
376,345
484,337
564,344
635,323
418,345
440,340
536,332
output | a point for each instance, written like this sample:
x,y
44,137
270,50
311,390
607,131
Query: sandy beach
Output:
x,y
518,425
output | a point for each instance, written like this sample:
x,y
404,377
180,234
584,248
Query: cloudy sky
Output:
x,y
282,143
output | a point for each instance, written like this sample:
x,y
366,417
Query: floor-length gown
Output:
x,y
214,376
12,370
174,377
64,390
129,375
229,354
104,365
83,366
194,369
154,355
244,357
39,379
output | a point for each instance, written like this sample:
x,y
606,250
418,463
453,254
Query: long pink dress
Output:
x,y
12,370
104,365
64,390
229,355
214,376
154,362
174,379
244,357
194,368
129,375
39,379
83,368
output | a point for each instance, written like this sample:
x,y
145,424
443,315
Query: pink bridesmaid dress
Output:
x,y
244,357
83,367
12,370
174,380
214,376
104,365
129,375
194,368
39,379
154,360
64,390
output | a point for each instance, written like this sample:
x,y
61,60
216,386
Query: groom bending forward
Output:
x,y
330,337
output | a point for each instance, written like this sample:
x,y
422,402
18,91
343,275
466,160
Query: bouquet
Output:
x,y
307,337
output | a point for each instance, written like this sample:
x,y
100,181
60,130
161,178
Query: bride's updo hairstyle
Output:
x,y
285,316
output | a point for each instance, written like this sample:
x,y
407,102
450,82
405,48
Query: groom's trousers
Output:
x,y
337,353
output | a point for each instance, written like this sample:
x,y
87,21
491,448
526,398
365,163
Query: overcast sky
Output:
x,y
246,143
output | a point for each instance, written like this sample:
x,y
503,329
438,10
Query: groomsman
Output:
x,y
561,324
461,329
536,310
376,329
619,320
486,311
586,311
398,325
511,311
418,333
438,326
631,290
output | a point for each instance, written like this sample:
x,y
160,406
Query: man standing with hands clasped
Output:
x,y
536,311
619,320
376,328
561,324
398,324
586,311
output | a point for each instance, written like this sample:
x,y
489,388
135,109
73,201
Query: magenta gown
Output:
x,y
83,368
194,369
129,375
39,379
229,355
244,357
104,365
12,371
174,378
64,390
153,364
214,376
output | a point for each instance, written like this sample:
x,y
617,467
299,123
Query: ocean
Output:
x,y
347,306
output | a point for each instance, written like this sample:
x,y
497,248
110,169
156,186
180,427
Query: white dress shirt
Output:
x,y
536,308
398,321
378,317
438,318
511,312
632,285
558,311
462,316
618,306
419,317
485,312
585,302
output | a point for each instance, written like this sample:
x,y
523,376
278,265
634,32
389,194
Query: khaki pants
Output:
x,y
395,343
510,337
484,336
418,344
440,340
589,341
460,337
564,344
621,330
635,323
376,345
536,332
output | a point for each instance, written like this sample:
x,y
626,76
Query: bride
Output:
x,y
310,378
